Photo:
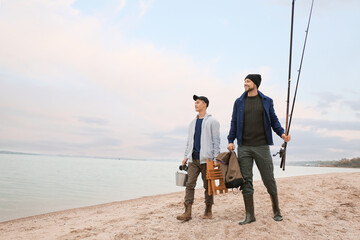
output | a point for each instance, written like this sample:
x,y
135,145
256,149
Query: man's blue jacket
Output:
x,y
270,120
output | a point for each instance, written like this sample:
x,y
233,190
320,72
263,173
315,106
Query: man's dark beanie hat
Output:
x,y
255,78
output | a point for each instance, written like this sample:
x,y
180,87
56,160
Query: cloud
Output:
x,y
320,5
316,139
327,101
121,5
75,84
354,105
312,145
70,76
347,135
145,5
330,124
93,120
344,131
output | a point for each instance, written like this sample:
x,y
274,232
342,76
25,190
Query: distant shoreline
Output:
x,y
84,156
343,163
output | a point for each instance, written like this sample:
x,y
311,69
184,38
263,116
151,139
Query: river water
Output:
x,y
36,184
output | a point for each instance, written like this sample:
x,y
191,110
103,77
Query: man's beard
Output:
x,y
249,89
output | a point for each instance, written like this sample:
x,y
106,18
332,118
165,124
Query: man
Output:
x,y
252,120
203,143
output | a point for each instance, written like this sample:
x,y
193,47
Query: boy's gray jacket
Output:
x,y
209,140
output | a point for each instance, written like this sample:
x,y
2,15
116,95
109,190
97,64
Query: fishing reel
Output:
x,y
183,167
281,152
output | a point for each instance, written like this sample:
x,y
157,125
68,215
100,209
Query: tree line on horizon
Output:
x,y
346,163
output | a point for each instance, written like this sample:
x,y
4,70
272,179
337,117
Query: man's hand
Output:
x,y
231,147
184,161
286,138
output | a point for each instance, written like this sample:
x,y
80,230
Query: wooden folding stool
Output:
x,y
213,173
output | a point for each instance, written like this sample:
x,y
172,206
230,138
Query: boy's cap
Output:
x,y
205,99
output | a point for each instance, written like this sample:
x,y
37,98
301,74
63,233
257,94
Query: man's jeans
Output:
x,y
263,160
195,168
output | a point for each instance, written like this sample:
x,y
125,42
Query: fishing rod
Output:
x,y
282,151
301,62
283,148
284,145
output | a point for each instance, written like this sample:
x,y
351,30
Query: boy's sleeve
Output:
x,y
215,133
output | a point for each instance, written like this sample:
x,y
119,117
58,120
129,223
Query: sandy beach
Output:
x,y
324,206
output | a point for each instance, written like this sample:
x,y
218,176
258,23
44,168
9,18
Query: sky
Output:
x,y
116,78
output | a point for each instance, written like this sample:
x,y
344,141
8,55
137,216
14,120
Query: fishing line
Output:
x,y
282,151
301,62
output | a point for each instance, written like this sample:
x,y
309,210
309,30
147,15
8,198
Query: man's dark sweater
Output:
x,y
254,130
